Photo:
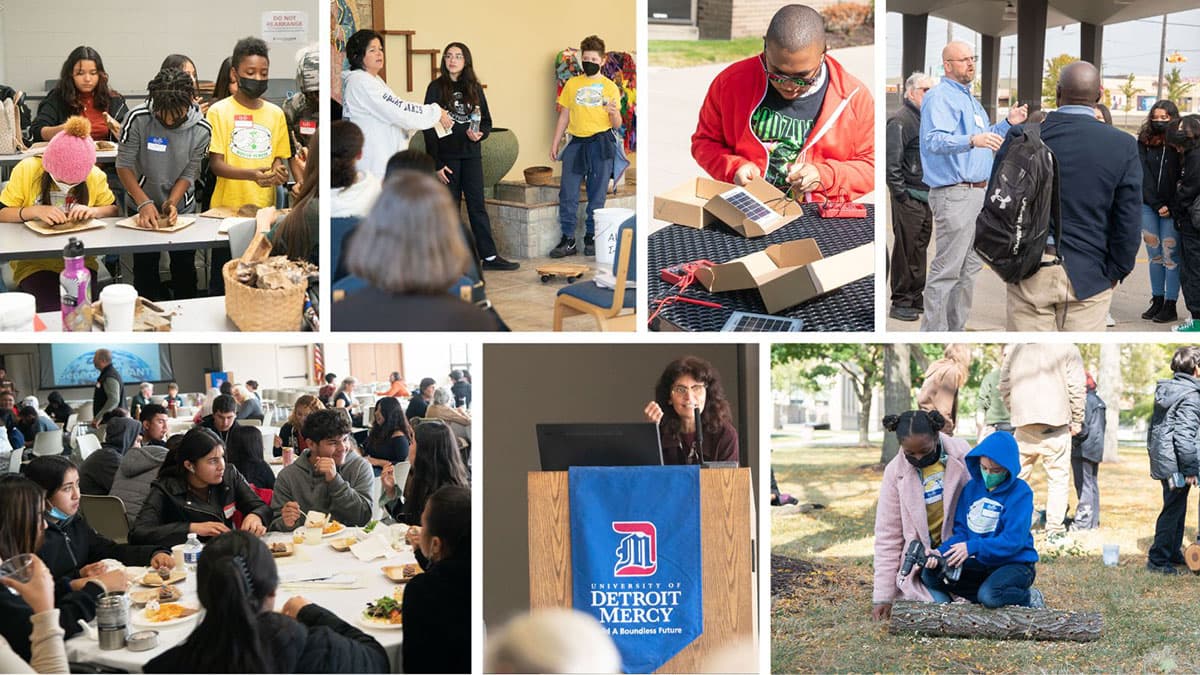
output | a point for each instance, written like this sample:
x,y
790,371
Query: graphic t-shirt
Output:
x,y
932,479
249,139
585,97
783,126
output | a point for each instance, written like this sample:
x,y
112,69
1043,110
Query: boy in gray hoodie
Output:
x,y
162,144
328,477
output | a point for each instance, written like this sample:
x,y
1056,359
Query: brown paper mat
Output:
x,y
45,228
180,223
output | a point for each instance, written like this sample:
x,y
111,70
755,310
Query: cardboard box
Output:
x,y
698,202
790,273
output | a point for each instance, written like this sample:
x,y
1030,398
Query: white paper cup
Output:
x,y
16,312
1112,554
177,554
119,301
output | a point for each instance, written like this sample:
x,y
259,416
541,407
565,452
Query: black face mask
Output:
x,y
252,88
929,459
591,68
179,120
1158,127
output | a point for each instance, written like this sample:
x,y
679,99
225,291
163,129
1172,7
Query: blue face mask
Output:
x,y
56,513
991,480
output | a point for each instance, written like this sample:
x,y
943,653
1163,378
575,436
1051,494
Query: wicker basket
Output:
x,y
539,175
255,309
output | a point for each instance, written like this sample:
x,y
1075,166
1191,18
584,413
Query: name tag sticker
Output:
x,y
979,122
157,143
229,509
243,121
308,127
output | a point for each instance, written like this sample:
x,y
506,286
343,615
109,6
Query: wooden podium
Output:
x,y
726,548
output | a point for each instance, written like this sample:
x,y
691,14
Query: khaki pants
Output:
x,y
1053,446
1047,302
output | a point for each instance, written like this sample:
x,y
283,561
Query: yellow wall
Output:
x,y
513,45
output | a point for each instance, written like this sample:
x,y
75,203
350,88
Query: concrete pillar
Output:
x,y
988,71
1031,50
912,44
1091,43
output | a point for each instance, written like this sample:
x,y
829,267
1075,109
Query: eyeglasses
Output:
x,y
455,57
695,389
802,80
965,59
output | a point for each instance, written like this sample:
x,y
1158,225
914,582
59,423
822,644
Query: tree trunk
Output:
x,y
897,392
977,621
1109,385
864,413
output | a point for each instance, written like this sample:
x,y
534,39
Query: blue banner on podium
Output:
x,y
635,557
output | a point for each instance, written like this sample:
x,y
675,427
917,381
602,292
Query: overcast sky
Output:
x,y
1128,47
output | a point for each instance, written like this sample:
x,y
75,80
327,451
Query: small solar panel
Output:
x,y
746,322
750,206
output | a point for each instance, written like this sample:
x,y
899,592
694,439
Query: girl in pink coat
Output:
x,y
920,491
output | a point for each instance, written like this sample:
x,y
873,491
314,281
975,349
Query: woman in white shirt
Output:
x,y
387,121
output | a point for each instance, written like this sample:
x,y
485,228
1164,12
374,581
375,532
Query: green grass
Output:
x,y
823,624
683,53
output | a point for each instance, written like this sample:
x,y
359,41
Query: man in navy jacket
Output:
x,y
1101,226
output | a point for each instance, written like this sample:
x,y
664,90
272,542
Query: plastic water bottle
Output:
x,y
73,284
476,117
191,552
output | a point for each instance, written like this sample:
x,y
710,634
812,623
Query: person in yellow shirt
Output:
x,y
62,185
249,142
589,109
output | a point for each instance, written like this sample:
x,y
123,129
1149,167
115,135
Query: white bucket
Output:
x,y
607,223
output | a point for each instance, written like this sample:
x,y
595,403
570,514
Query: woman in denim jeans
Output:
x,y
1160,170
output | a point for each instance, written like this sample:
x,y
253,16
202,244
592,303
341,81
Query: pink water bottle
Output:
x,y
73,284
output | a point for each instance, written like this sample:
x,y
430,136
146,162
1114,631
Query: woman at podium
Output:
x,y
692,414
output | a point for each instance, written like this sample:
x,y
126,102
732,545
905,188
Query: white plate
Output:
x,y
139,619
364,623
341,532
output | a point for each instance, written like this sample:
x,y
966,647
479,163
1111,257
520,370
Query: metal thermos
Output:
x,y
112,620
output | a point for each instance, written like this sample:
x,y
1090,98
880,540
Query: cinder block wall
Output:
x,y
728,19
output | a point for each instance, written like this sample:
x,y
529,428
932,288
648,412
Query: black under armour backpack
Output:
x,y
1022,201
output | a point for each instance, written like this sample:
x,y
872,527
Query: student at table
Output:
x,y
140,464
436,463
22,503
57,408
248,405
162,145
62,185
301,110
249,142
185,63
241,632
49,654
688,384
245,452
142,398
327,477
344,398
82,89
173,396
98,470
196,492
71,547
290,435
30,423
223,417
297,233
390,435
437,604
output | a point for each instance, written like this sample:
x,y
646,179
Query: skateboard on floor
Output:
x,y
568,271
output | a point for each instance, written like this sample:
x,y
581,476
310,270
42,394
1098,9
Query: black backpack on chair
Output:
x,y
1022,201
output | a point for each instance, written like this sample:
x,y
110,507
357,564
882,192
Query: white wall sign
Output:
x,y
285,27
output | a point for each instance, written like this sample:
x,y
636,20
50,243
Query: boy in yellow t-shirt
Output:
x,y
249,143
62,185
589,109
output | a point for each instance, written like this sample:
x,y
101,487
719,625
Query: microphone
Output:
x,y
699,433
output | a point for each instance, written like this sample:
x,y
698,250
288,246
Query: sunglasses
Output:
x,y
802,80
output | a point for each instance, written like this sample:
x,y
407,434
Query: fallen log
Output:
x,y
977,621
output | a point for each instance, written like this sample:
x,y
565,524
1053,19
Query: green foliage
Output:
x,y
1054,68
1177,89
1130,92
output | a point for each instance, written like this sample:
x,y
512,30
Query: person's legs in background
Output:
x,y
1007,585
1168,530
568,202
470,172
183,274
598,178
44,287
912,225
145,276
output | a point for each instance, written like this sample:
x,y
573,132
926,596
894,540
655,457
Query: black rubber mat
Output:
x,y
849,308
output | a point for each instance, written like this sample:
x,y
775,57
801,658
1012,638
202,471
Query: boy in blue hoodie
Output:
x,y
992,541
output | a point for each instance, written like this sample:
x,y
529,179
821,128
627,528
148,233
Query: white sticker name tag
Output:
x,y
984,516
157,143
979,122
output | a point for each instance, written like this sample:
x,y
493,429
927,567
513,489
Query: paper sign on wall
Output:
x,y
285,27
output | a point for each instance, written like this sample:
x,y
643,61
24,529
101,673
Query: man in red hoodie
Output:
x,y
791,115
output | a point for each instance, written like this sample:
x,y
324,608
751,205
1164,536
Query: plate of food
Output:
x,y
282,549
331,528
343,544
153,579
382,613
163,615
168,593
402,574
